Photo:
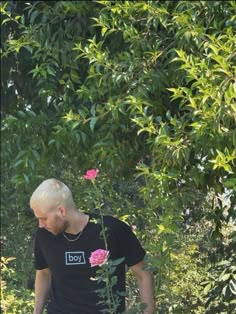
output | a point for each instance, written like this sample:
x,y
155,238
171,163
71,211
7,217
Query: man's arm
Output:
x,y
42,288
146,286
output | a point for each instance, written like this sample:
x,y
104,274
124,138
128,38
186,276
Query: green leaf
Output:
x,y
6,20
223,263
118,261
26,178
21,113
232,286
36,154
75,124
52,141
92,123
82,113
74,76
84,136
224,277
51,71
113,281
19,162
20,154
33,16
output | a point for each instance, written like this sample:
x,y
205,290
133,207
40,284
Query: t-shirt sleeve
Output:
x,y
39,259
129,245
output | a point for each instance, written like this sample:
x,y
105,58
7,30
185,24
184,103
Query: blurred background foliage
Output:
x,y
144,91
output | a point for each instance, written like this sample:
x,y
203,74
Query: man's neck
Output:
x,y
77,222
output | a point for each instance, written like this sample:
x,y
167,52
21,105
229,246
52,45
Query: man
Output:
x,y
64,242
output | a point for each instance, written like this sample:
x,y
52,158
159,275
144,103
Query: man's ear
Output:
x,y
62,210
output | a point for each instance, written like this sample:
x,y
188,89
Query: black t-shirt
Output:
x,y
72,290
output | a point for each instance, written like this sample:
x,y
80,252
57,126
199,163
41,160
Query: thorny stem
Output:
x,y
109,292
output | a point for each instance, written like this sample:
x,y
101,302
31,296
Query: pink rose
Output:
x,y
98,257
91,174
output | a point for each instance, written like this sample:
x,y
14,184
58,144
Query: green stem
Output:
x,y
103,229
110,296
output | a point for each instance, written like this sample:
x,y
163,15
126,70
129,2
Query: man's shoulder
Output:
x,y
109,220
106,218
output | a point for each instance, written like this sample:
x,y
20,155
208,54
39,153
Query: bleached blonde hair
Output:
x,y
51,193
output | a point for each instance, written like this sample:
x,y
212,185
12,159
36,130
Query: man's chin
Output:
x,y
55,233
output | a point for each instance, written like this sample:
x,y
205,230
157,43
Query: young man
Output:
x,y
64,242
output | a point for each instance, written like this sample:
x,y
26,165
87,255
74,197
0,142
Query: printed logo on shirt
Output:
x,y
74,258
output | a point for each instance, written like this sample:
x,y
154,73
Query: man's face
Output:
x,y
52,220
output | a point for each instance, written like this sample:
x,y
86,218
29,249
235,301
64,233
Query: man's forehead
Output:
x,y
39,213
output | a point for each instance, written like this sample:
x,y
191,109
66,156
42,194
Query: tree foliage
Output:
x,y
144,90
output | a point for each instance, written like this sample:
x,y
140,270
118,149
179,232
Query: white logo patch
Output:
x,y
74,258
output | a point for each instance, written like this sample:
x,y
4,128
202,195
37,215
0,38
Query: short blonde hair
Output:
x,y
51,193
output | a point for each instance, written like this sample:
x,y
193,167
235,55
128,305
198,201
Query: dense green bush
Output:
x,y
144,91
14,298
